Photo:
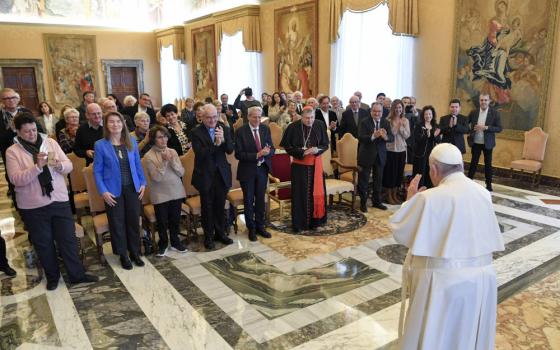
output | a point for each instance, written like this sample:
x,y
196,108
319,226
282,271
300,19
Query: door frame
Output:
x,y
37,65
108,64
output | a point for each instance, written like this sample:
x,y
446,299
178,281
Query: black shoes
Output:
x,y
8,271
225,239
125,262
252,235
51,285
86,279
379,206
263,233
137,260
363,207
209,245
179,247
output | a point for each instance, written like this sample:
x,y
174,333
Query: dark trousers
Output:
x,y
46,225
124,222
168,216
253,199
212,203
3,260
376,170
476,150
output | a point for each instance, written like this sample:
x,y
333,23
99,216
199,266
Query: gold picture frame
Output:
x,y
205,81
504,48
72,67
295,48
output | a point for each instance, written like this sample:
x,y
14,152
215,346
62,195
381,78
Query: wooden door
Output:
x,y
124,81
22,79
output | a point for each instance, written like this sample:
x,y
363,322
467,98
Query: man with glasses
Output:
x,y
88,133
351,118
144,104
10,101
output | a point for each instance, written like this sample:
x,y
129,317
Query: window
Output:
x,y
173,77
238,68
369,58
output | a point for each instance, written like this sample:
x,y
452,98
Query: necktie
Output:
x,y
376,125
257,142
453,121
211,133
356,118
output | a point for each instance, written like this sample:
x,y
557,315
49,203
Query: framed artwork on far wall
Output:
x,y
204,63
72,67
504,48
295,48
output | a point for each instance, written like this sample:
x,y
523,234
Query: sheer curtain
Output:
x,y
369,58
237,68
173,77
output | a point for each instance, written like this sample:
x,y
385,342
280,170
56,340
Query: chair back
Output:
x,y
238,123
77,181
146,198
96,203
282,169
347,150
234,162
326,159
275,134
535,144
187,160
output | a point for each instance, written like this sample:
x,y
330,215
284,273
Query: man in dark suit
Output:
x,y
454,126
229,110
144,104
351,118
381,99
254,149
373,134
328,117
88,98
212,174
484,123
88,133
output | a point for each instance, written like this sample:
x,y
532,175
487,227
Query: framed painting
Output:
x,y
204,63
295,48
71,65
504,48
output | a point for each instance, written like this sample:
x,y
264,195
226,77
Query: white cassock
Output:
x,y
451,231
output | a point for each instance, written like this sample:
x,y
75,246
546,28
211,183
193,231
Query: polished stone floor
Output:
x,y
334,291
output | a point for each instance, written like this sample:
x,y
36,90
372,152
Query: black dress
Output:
x,y
424,142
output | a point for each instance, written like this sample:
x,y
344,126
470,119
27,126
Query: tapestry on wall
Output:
x,y
71,63
295,49
204,63
504,48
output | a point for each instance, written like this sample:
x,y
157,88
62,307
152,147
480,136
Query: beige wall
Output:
x,y
433,66
26,42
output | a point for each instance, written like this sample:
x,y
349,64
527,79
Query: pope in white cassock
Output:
x,y
451,231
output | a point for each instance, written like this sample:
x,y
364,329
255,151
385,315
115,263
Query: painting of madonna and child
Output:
x,y
504,50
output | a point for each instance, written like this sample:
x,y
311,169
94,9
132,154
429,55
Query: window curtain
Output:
x,y
173,77
238,68
369,58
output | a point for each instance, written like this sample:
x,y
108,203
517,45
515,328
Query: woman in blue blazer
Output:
x,y
120,181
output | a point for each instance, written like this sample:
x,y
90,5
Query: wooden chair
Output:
x,y
276,134
235,194
280,177
534,148
78,185
347,162
148,211
97,211
335,186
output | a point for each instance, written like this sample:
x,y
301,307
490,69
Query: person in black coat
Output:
x,y
254,149
144,104
351,118
212,174
373,134
426,135
484,123
328,117
454,126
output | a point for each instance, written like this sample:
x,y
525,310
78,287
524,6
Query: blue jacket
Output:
x,y
107,171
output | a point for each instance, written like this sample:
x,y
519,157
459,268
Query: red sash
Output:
x,y
318,188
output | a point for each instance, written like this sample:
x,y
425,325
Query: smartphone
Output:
x,y
50,159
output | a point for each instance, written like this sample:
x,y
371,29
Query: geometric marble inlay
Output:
x,y
393,253
341,219
274,293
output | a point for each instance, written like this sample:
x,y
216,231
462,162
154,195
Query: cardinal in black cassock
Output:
x,y
305,140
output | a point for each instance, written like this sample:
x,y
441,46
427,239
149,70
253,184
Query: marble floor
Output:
x,y
335,291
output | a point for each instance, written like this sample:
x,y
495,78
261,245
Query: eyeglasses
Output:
x,y
9,98
161,137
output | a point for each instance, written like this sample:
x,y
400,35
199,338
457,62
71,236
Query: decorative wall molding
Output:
x,y
108,64
37,66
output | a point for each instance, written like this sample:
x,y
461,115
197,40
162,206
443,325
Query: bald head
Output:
x,y
109,106
209,116
94,114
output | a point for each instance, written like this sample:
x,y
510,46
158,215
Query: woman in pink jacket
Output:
x,y
37,167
